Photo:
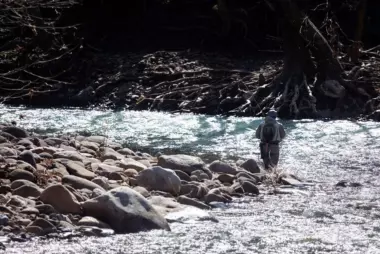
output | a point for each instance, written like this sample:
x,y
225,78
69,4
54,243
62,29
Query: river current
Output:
x,y
320,218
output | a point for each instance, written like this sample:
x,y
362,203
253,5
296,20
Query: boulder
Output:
x,y
28,157
7,152
102,181
30,210
247,187
77,193
90,145
126,152
159,178
18,174
45,209
105,169
4,189
117,177
60,169
183,162
3,140
88,221
193,190
15,131
84,150
197,173
40,227
130,172
115,146
69,155
192,202
125,210
226,178
211,197
27,191
109,153
182,175
142,191
147,162
25,166
96,193
80,183
19,148
54,141
222,167
67,148
251,166
8,136
21,182
77,169
26,143
131,163
194,178
97,139
165,205
217,195
61,199
34,230
246,175
42,223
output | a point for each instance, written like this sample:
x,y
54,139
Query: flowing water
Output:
x,y
315,219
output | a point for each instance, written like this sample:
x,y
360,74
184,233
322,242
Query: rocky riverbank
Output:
x,y
74,185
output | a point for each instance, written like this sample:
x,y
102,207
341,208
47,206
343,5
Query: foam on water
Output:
x,y
314,219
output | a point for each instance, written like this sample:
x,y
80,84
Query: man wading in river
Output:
x,y
270,133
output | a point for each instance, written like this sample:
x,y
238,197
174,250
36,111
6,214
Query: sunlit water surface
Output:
x,y
315,219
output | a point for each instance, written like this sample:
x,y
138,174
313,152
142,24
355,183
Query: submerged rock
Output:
x,y
125,210
344,183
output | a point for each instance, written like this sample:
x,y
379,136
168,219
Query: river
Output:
x,y
315,219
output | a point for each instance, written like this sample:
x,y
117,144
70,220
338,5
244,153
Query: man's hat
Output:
x,y
272,113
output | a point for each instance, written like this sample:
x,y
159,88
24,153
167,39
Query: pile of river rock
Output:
x,y
50,185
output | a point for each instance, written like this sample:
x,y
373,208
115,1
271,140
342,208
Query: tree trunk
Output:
x,y
311,77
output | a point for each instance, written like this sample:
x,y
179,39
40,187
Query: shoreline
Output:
x,y
85,172
375,118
